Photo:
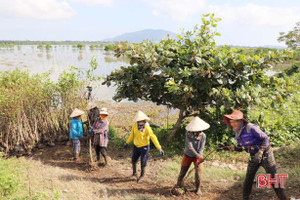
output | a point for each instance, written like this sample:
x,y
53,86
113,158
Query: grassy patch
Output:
x,y
10,171
170,172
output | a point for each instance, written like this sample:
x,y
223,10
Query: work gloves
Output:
x,y
258,156
161,152
199,159
125,146
238,148
91,130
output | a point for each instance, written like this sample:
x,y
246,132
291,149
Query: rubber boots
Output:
x,y
76,158
198,171
105,160
142,174
181,176
133,168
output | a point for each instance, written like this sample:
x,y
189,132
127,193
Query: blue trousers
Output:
x,y
142,152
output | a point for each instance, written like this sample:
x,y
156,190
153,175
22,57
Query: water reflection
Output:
x,y
48,56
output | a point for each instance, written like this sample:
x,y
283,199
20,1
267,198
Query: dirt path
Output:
x,y
76,181
114,181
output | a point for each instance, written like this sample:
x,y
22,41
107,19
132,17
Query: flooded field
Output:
x,y
58,59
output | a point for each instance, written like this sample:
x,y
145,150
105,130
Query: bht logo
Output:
x,y
263,180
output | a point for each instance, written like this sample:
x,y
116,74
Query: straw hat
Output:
x,y
235,115
197,124
76,112
140,116
91,105
103,111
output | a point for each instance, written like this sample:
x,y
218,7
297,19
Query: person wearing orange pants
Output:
x,y
193,151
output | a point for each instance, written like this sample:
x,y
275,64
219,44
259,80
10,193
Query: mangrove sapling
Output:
x,y
30,112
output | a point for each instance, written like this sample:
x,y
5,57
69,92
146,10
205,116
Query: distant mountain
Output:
x,y
155,35
274,46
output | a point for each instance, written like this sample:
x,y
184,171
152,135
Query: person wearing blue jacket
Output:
x,y
254,141
76,132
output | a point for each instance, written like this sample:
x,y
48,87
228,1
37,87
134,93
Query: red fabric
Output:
x,y
235,115
186,161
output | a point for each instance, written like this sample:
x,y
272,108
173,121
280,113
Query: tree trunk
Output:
x,y
176,125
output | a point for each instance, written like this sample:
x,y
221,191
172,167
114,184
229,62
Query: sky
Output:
x,y
244,22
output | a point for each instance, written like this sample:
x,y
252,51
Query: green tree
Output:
x,y
80,46
291,38
191,74
48,46
40,46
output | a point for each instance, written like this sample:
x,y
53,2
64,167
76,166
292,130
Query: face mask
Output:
x,y
194,134
102,117
141,126
141,123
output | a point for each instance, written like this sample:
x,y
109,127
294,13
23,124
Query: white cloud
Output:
x,y
179,10
36,9
257,15
95,2
251,14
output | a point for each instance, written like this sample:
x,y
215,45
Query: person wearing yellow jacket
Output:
x,y
141,133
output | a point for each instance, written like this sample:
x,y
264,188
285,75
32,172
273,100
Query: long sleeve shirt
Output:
x,y
142,138
194,146
252,138
101,130
76,130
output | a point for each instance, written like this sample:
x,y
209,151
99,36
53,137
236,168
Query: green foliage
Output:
x,y
48,46
94,46
195,76
115,138
277,111
291,38
80,46
295,68
176,146
112,131
7,45
40,46
110,47
47,195
9,180
33,108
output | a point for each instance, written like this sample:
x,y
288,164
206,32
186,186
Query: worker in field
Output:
x,y
253,140
93,112
100,129
141,133
76,132
193,151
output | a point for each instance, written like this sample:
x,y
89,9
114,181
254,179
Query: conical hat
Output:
x,y
76,112
91,105
103,111
197,124
140,116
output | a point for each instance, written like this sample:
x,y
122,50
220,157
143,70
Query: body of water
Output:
x,y
59,58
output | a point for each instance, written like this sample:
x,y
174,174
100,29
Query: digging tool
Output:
x,y
209,153
181,190
89,88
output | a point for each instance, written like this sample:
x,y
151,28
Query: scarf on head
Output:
x,y
241,126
